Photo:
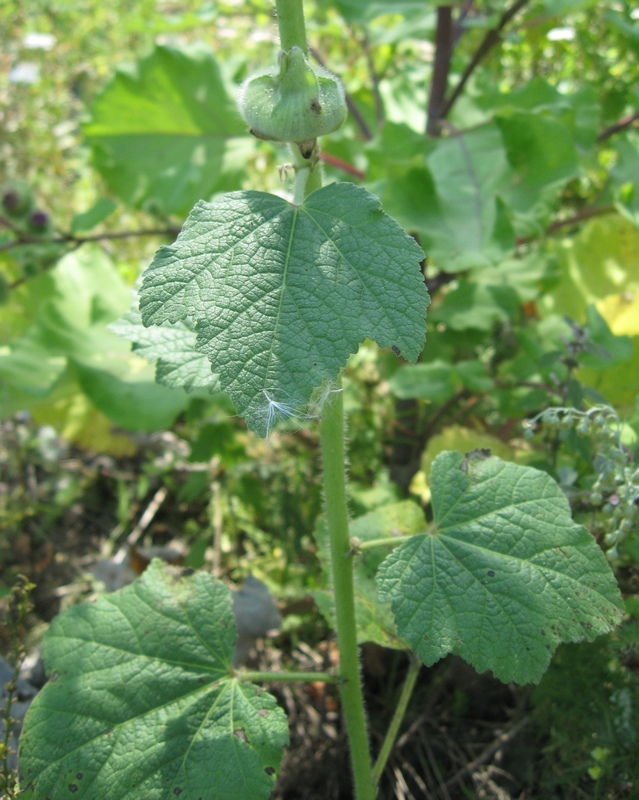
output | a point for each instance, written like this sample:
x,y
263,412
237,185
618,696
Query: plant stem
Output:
x,y
441,68
285,677
308,175
384,541
334,459
393,729
290,21
618,126
489,41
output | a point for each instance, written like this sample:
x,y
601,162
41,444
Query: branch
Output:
x,y
377,98
491,38
73,241
441,68
334,161
580,216
458,28
76,241
625,122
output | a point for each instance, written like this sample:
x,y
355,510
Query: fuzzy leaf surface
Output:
x,y
172,347
144,703
505,576
281,294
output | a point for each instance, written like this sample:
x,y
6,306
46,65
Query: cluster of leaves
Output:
x,y
592,742
520,318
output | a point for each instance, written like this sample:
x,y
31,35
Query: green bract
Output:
x,y
293,102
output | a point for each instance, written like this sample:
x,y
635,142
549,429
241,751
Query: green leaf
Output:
x,y
625,179
474,305
561,7
375,621
94,216
438,380
601,260
604,349
362,11
133,401
474,375
542,154
504,576
144,703
71,329
579,112
630,30
282,294
173,347
80,294
434,381
452,200
167,133
526,276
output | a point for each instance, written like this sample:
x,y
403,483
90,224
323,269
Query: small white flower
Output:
x,y
38,41
25,72
561,34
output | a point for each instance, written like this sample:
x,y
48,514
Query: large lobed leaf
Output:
x,y
283,294
68,348
505,576
167,132
143,702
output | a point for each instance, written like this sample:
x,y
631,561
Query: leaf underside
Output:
x,y
281,295
172,347
142,703
505,576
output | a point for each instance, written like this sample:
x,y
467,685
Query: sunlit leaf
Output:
x,y
144,702
281,295
504,576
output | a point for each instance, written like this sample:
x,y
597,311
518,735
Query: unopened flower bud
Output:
x,y
293,102
17,199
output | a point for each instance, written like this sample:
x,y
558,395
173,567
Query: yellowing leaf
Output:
x,y
621,312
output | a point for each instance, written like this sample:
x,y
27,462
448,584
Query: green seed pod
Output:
x,y
17,199
293,102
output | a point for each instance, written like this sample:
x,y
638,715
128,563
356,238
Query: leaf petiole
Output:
x,y
248,676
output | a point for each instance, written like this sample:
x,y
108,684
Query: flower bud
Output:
x,y
293,102
39,222
17,199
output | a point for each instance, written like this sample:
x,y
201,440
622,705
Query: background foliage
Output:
x,y
525,197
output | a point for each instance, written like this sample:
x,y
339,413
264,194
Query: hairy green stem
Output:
x,y
334,459
290,21
308,175
393,729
